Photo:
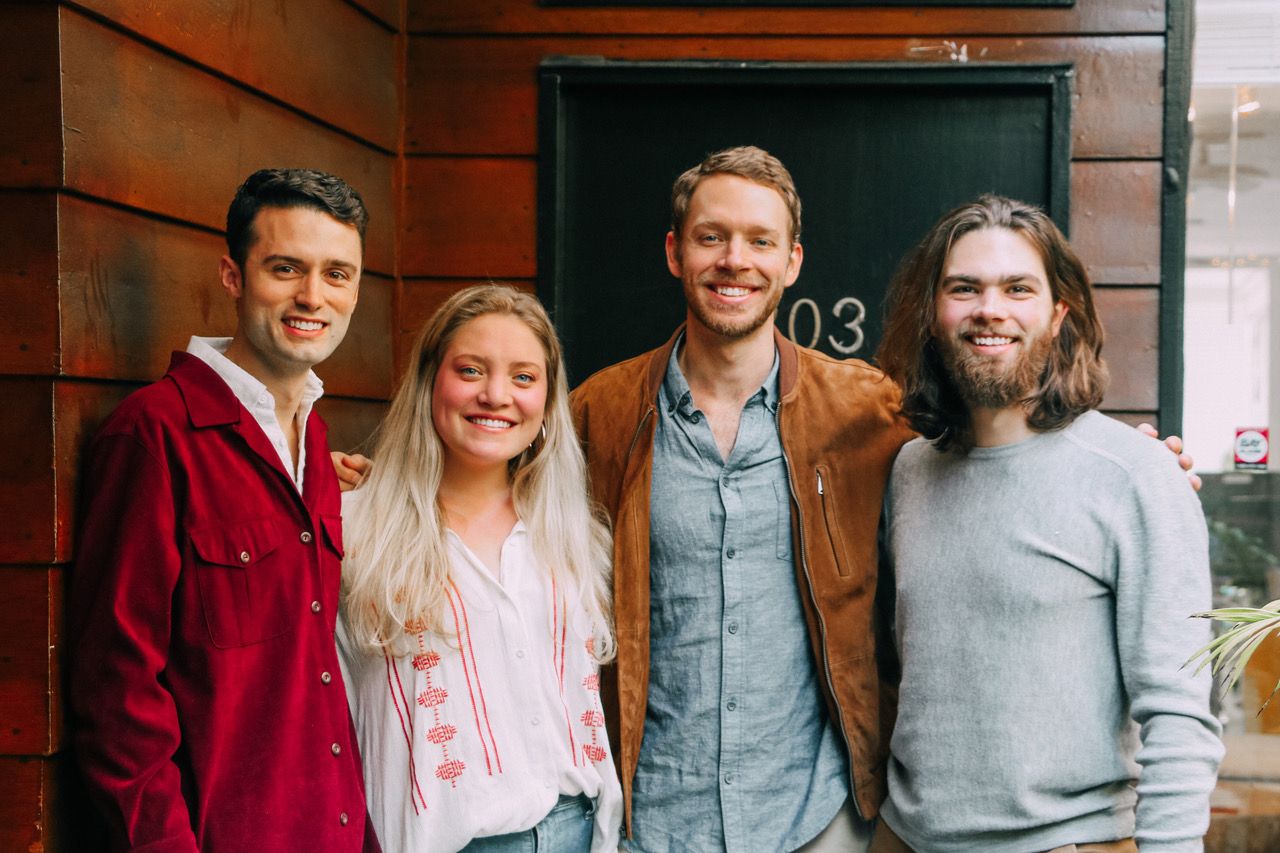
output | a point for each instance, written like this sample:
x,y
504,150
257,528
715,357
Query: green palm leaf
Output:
x,y
1228,654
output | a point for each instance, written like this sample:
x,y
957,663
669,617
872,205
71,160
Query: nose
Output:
x,y
310,293
733,256
495,391
990,305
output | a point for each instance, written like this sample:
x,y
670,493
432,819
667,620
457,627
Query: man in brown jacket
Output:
x,y
750,703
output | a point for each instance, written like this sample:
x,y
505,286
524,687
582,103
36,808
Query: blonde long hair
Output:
x,y
396,570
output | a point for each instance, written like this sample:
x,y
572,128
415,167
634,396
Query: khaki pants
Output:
x,y
847,833
887,841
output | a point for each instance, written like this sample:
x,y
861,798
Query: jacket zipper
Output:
x,y
822,625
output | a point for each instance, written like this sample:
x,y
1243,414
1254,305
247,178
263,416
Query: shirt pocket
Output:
x,y
332,524
244,579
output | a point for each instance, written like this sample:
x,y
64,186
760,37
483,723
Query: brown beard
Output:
x,y
986,383
736,326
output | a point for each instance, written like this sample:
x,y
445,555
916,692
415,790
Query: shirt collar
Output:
x,y
675,395
251,393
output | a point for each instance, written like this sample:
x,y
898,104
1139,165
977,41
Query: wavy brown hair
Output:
x,y
1073,381
745,161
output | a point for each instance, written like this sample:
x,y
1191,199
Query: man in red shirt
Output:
x,y
209,711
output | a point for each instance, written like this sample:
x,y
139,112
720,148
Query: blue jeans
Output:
x,y
567,828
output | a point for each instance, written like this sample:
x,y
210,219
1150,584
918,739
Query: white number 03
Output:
x,y
852,323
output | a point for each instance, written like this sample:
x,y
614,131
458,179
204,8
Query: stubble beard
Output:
x,y
733,326
988,383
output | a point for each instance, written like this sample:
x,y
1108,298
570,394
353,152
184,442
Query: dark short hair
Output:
x,y
290,188
1074,380
745,161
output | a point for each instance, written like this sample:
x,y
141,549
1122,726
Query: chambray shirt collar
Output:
x,y
675,396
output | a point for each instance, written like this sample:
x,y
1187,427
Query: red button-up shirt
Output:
x,y
208,704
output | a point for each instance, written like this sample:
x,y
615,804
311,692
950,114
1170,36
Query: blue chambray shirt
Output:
x,y
738,751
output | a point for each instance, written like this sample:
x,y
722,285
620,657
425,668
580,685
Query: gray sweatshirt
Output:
x,y
1044,589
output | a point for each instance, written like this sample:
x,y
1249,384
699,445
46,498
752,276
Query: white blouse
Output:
x,y
479,733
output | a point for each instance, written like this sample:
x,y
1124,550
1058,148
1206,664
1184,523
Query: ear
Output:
x,y
1059,314
793,264
232,278
673,255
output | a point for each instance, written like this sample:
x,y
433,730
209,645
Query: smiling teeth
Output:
x,y
491,422
992,341
724,290
305,325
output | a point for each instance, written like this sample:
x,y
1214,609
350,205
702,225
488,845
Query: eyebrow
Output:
x,y
717,224
298,262
519,365
973,279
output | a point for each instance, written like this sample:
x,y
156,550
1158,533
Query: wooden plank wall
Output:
x,y
129,125
130,122
471,119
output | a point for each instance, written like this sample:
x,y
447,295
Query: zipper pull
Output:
x,y
819,473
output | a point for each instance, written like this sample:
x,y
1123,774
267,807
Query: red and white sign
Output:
x,y
1253,445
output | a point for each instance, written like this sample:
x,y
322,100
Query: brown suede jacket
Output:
x,y
841,430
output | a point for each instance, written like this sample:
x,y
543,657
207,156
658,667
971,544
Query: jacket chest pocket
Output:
x,y
833,521
247,581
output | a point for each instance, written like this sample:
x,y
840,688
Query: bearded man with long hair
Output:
x,y
1046,560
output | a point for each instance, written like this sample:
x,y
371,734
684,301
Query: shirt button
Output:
x,y
342,818
696,418
336,749
535,721
315,607
244,557
733,627
731,553
325,678
728,778
519,653
732,706
305,537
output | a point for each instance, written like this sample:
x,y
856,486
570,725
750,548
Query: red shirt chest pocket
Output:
x,y
249,580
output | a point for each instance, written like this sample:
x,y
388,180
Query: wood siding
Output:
x,y
129,125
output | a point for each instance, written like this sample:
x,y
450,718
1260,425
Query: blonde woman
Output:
x,y
476,604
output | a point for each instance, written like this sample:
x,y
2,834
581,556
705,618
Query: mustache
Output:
x,y
739,280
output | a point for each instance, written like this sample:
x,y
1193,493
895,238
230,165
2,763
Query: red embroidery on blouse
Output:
x,y
450,770
462,627
406,726
425,661
593,718
441,733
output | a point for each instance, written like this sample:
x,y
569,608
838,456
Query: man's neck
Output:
x,y
286,391
996,427
723,370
